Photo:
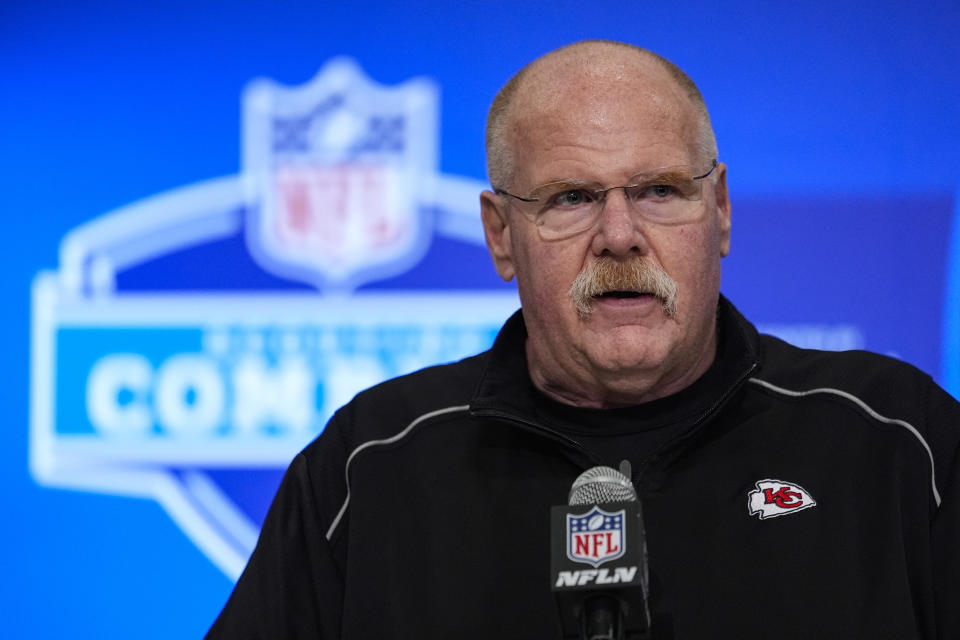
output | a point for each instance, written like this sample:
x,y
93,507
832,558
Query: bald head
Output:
x,y
593,70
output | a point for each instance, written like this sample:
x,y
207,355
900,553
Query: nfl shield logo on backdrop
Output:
x,y
196,389
596,537
336,175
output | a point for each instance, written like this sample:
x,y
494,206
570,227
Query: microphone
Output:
x,y
601,528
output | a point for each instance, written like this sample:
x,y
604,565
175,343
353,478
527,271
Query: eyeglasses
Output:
x,y
667,195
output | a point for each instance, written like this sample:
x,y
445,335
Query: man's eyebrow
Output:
x,y
673,174
572,182
665,172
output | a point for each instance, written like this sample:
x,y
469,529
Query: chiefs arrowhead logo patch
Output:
x,y
774,498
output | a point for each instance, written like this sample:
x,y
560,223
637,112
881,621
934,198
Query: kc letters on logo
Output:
x,y
774,498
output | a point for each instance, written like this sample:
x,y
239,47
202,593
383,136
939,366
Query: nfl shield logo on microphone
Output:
x,y
596,537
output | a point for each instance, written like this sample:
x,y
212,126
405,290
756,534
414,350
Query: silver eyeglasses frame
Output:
x,y
597,200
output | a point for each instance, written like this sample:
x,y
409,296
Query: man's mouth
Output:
x,y
622,294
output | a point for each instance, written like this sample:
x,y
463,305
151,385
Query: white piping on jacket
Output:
x,y
372,443
873,414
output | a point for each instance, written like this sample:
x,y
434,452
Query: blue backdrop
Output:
x,y
838,124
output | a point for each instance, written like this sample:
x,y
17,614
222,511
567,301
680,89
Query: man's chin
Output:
x,y
630,345
630,332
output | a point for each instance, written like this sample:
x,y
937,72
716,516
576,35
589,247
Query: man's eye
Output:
x,y
571,198
659,191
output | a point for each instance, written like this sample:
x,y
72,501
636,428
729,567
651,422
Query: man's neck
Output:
x,y
602,389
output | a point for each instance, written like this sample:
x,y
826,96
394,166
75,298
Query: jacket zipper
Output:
x,y
695,428
641,469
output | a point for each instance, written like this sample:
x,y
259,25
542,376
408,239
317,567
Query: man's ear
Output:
x,y
723,208
496,228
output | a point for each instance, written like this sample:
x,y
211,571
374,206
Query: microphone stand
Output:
x,y
601,618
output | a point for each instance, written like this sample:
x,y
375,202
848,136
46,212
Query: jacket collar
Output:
x,y
505,388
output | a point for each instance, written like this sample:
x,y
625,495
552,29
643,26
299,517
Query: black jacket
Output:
x,y
422,511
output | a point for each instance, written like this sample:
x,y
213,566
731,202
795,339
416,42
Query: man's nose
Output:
x,y
619,228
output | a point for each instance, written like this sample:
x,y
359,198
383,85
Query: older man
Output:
x,y
787,493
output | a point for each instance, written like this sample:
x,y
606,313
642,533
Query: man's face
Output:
x,y
627,349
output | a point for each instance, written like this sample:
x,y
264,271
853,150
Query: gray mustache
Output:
x,y
637,274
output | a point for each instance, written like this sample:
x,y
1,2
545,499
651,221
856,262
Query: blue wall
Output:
x,y
838,123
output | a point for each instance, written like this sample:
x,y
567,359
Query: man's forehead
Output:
x,y
571,100
596,81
